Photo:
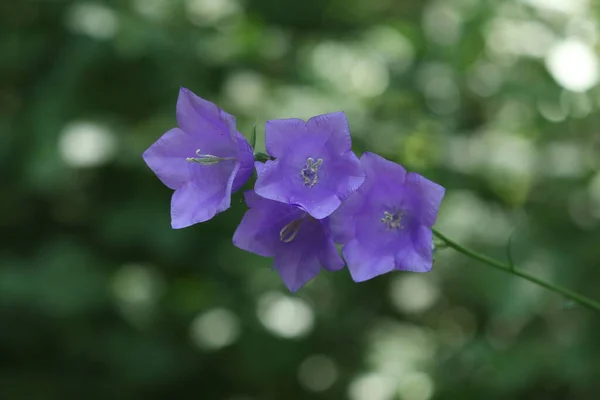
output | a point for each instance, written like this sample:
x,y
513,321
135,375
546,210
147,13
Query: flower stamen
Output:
x,y
393,220
207,159
310,172
288,233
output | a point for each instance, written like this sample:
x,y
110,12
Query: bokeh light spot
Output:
x,y
207,12
215,329
574,65
317,373
413,293
92,19
372,386
136,289
442,23
86,144
416,386
246,90
285,316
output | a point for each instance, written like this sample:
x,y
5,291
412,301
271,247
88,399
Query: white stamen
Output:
x,y
310,172
288,233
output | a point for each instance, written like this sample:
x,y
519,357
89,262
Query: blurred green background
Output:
x,y
101,299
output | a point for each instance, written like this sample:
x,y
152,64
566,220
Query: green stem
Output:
x,y
584,301
258,156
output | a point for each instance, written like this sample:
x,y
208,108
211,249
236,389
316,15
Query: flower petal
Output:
x,y
430,197
245,157
329,257
296,267
252,199
245,236
345,173
260,167
417,257
322,206
335,126
282,134
194,113
213,129
260,227
167,158
202,198
383,170
342,222
272,180
364,264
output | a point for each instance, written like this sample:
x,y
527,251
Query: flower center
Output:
x,y
393,220
289,232
310,171
207,159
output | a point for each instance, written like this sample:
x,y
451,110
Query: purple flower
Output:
x,y
386,224
300,244
315,168
204,160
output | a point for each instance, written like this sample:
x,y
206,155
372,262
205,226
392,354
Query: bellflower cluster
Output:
x,y
311,194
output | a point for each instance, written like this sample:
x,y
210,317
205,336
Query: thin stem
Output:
x,y
584,301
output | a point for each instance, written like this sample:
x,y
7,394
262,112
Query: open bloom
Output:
x,y
314,167
386,225
204,160
300,244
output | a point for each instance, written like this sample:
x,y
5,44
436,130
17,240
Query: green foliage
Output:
x,y
100,298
